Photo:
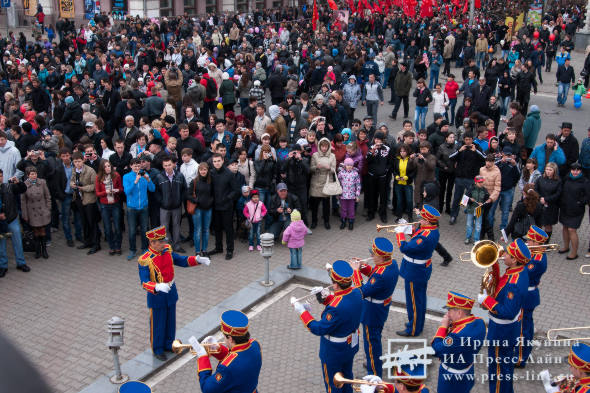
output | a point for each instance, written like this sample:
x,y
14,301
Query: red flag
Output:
x,y
351,6
376,7
360,8
466,7
315,17
332,5
426,9
477,3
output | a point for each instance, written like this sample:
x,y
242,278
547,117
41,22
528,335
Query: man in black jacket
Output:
x,y
276,86
297,170
480,94
171,192
121,158
281,205
565,76
187,141
224,195
468,159
570,146
8,193
524,81
39,97
379,163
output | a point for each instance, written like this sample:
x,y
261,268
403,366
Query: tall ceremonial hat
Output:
x,y
519,251
410,377
457,300
430,214
234,323
579,357
341,272
536,234
382,247
158,233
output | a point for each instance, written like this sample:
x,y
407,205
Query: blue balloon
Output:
x,y
577,104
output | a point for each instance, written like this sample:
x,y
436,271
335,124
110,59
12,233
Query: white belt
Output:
x,y
505,321
170,283
532,288
377,301
456,371
341,339
416,261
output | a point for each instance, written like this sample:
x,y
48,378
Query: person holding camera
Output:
x,y
82,183
9,214
136,185
173,79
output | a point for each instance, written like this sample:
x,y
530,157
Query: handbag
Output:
x,y
522,226
191,206
248,222
332,187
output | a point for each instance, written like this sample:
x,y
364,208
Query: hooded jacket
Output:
x,y
295,125
9,158
531,128
319,175
295,234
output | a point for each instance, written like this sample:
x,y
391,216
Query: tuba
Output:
x,y
485,254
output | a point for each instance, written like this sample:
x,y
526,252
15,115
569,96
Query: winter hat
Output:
x,y
225,76
274,112
191,82
348,162
534,108
257,83
295,215
69,100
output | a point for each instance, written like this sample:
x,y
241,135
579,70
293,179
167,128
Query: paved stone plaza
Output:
x,y
57,313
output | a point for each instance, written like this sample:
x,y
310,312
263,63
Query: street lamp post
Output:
x,y
115,328
267,241
583,36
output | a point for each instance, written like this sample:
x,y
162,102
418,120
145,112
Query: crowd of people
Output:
x,y
243,123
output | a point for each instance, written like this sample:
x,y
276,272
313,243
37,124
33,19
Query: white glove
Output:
x,y
325,292
546,379
328,266
203,260
297,305
211,340
400,229
372,379
482,297
315,290
307,307
198,348
402,221
162,287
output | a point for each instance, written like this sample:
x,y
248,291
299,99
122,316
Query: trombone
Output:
x,y
584,267
178,347
544,248
310,295
389,228
552,334
339,382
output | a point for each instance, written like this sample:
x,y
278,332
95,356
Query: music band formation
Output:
x,y
357,303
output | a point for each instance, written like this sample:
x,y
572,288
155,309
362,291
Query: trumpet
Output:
x,y
311,295
552,334
178,347
339,382
584,267
544,247
389,228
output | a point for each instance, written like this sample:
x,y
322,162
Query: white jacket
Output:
x,y
441,101
9,157
189,170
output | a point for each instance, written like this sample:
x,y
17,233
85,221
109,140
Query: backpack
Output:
x,y
522,226
211,88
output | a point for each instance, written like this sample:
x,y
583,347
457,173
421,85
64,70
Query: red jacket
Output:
x,y
101,192
451,88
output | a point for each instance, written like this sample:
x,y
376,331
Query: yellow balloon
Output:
x,y
220,106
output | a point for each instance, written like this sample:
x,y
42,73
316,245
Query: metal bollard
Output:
x,y
267,241
115,328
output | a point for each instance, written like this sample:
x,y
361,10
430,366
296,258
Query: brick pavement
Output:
x,y
57,313
290,355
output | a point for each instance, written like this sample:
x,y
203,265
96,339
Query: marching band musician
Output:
x,y
504,308
376,293
338,327
239,362
156,273
409,381
536,267
579,361
417,267
456,343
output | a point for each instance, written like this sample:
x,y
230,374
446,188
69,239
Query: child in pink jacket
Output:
x,y
254,211
293,237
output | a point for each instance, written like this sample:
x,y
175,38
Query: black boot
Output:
x,y
350,224
37,247
549,237
342,223
44,253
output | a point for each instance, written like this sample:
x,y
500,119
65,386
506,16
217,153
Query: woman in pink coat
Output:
x,y
293,237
